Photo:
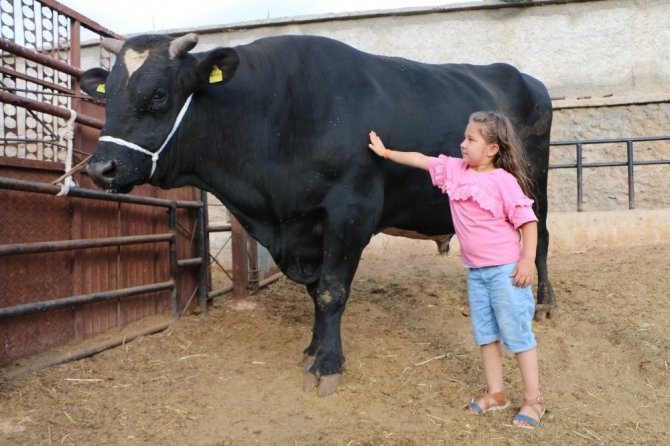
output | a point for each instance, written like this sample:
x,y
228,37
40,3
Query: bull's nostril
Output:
x,y
102,172
108,169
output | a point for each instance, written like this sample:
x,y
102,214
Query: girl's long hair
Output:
x,y
497,129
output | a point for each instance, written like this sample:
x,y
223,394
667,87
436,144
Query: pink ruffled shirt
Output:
x,y
487,210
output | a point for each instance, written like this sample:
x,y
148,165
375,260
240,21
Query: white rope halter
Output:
x,y
154,155
65,136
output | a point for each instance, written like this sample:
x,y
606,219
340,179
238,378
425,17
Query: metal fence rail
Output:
x,y
243,257
630,162
170,238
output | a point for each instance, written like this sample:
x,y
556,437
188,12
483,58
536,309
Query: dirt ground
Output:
x,y
234,377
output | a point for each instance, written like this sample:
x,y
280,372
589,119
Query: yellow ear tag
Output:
x,y
100,88
216,75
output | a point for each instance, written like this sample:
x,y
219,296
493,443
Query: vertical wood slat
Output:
x,y
240,261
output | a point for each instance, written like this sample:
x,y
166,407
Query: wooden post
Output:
x,y
240,260
252,246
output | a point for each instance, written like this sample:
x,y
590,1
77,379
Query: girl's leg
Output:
x,y
528,366
491,355
492,363
486,333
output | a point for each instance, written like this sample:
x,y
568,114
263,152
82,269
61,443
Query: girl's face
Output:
x,y
478,153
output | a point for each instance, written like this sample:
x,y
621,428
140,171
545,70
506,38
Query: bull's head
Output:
x,y
147,94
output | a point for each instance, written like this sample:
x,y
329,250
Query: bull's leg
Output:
x,y
325,356
346,233
546,299
310,351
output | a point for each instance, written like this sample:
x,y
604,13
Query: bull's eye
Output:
x,y
159,98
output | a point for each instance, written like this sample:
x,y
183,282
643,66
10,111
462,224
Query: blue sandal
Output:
x,y
500,398
533,422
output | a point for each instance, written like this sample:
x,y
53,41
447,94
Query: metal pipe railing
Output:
x,y
42,59
20,310
35,80
174,267
32,186
630,162
32,104
68,245
196,261
202,240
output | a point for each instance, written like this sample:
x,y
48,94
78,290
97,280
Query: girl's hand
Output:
x,y
376,144
524,272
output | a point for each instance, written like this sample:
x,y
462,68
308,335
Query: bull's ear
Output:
x,y
93,82
218,66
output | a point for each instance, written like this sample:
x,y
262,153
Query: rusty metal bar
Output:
x,y
31,104
195,261
42,59
580,178
202,241
32,186
65,245
87,351
631,175
12,73
261,284
85,21
219,292
174,266
268,280
20,310
75,60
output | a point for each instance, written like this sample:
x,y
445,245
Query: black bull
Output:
x,y
278,131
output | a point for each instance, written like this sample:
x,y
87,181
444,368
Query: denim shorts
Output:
x,y
499,310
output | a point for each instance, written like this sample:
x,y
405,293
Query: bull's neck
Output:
x,y
210,151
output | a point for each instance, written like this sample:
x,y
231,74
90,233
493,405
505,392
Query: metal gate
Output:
x,y
76,266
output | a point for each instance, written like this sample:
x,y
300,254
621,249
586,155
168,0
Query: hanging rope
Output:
x,y
65,136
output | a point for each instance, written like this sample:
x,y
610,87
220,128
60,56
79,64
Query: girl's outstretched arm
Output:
x,y
412,159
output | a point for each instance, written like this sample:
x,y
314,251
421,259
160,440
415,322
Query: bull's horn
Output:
x,y
112,45
182,45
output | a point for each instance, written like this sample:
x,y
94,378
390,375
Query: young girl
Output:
x,y
488,196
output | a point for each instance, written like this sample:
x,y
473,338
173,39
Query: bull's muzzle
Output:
x,y
102,173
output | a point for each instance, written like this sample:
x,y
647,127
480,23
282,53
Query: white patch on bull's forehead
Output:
x,y
134,60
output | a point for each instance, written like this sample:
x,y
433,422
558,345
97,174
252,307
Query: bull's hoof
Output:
x,y
325,385
328,384
545,310
311,382
307,362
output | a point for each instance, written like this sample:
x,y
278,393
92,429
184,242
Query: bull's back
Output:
x,y
336,88
336,94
